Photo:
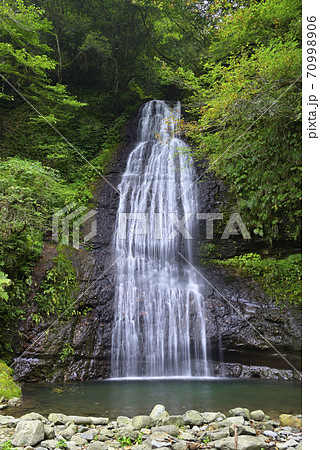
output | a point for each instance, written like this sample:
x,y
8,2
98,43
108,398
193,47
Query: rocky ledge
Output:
x,y
12,402
240,430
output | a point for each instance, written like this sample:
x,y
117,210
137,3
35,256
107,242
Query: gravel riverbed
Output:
x,y
241,429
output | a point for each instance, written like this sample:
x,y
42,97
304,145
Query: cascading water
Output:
x,y
159,325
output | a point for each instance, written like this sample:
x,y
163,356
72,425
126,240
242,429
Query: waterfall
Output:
x,y
159,323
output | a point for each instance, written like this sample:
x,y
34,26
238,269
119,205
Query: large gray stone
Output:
x,y
173,430
173,420
157,435
99,420
101,437
89,435
187,436
250,431
158,413
57,418
244,412
258,415
79,420
79,440
163,419
193,417
180,445
49,432
71,445
243,443
123,420
230,421
96,446
69,432
216,435
107,432
212,416
139,422
8,420
50,443
28,432
265,426
236,430
33,416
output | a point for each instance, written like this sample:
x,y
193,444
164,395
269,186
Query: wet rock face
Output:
x,y
248,334
255,336
243,326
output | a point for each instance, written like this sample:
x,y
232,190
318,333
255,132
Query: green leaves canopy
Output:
x,y
246,106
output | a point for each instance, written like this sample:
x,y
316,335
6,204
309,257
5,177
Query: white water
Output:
x,y
159,325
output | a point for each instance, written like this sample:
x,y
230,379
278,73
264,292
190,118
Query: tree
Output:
x,y
246,106
24,61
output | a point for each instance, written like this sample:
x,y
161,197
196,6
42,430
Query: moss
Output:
x,y
8,387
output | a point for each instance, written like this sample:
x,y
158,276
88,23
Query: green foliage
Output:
x,y
24,60
127,441
280,278
62,444
4,282
29,194
8,388
246,110
111,141
21,25
124,441
58,291
96,49
9,312
66,352
88,174
7,446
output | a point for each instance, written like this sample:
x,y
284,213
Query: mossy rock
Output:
x,y
287,420
8,387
